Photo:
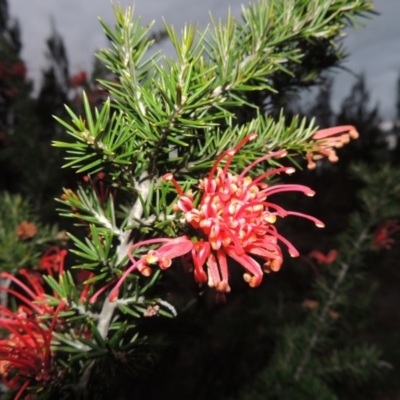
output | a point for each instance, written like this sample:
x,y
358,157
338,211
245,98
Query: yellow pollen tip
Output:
x,y
354,134
275,265
151,259
284,154
146,271
320,225
247,180
227,241
165,263
253,282
333,158
252,136
290,171
311,165
168,177
310,194
344,139
271,219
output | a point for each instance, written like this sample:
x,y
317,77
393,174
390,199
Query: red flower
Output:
x,y
327,140
53,260
382,235
234,218
322,258
78,79
26,356
26,230
18,69
82,275
35,295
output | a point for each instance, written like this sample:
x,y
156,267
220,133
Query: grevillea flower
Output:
x,y
79,79
327,140
34,297
18,69
233,219
26,230
53,260
329,258
382,238
26,356
310,304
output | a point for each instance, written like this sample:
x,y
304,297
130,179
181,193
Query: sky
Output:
x,y
373,50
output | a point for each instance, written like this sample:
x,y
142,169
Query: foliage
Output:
x,y
152,138
22,237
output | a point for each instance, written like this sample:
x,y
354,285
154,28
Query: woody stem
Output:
x,y
5,283
108,308
122,251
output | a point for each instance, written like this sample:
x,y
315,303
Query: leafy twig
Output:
x,y
109,307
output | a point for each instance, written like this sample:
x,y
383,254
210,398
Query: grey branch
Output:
x,y
4,283
136,213
108,308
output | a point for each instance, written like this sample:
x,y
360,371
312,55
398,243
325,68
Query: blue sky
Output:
x,y
374,50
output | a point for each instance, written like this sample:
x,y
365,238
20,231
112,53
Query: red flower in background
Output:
x,y
382,235
234,218
35,295
18,69
53,260
81,276
26,230
322,258
26,356
79,79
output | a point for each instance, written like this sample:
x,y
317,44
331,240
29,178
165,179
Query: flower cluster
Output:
x,y
26,356
79,79
8,75
95,93
329,258
17,69
382,238
327,141
26,230
233,219
53,261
